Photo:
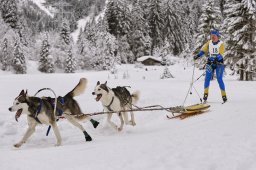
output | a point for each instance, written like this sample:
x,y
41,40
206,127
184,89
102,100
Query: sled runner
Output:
x,y
189,111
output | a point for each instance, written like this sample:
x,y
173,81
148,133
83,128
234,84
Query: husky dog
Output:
x,y
41,111
116,99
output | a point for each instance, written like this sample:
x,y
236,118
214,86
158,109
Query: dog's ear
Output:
x,y
105,83
22,93
98,83
26,92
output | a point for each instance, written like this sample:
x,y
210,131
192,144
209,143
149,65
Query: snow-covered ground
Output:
x,y
222,139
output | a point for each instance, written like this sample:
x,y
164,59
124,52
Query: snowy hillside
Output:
x,y
222,139
39,3
80,27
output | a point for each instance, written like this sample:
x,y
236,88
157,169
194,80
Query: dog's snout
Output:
x,y
10,109
93,93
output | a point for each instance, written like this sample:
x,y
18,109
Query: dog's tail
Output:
x,y
79,89
135,97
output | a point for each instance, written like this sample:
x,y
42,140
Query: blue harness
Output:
x,y
38,109
51,101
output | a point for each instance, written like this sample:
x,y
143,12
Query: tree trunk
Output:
x,y
241,72
249,73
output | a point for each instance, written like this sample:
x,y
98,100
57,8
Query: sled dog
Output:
x,y
116,99
41,111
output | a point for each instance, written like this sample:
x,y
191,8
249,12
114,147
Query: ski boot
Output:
x,y
205,97
224,98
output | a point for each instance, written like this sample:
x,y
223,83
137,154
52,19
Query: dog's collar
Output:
x,y
110,104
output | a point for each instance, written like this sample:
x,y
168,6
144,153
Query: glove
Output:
x,y
219,58
196,57
211,60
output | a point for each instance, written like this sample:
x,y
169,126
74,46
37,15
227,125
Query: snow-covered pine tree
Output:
x,y
210,19
70,63
101,46
240,24
46,64
138,18
118,18
65,33
166,74
9,12
124,51
107,52
23,31
173,28
138,38
156,23
80,42
4,56
164,60
19,61
138,43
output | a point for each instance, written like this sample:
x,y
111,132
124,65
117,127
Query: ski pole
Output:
x,y
204,71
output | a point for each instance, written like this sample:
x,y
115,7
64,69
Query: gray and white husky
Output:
x,y
41,111
116,99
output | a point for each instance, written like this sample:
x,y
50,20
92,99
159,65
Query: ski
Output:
x,y
186,114
173,117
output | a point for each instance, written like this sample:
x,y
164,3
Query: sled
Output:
x,y
189,111
197,107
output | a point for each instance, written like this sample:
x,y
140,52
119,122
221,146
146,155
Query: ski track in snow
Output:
x,y
222,139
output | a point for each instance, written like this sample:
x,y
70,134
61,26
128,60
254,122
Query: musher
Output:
x,y
215,49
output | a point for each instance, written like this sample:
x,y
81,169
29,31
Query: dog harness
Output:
x,y
60,100
38,109
51,101
108,107
123,95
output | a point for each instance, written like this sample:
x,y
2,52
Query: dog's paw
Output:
x,y
132,123
88,138
17,145
95,125
57,144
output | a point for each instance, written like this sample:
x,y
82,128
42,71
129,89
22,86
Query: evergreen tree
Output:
x,y
124,51
19,62
80,42
138,18
4,56
138,38
155,21
166,74
9,12
173,28
45,62
22,30
118,18
209,20
65,33
140,44
70,63
240,23
111,17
